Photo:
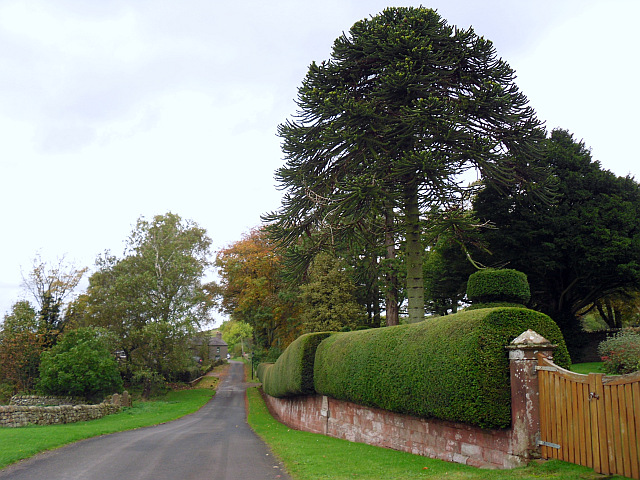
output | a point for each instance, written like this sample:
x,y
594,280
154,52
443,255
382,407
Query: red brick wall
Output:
x,y
455,442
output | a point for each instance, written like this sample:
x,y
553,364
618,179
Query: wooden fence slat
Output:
x,y
564,425
588,431
602,425
572,409
556,417
635,394
543,382
614,435
624,429
595,424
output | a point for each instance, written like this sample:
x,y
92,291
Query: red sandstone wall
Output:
x,y
449,441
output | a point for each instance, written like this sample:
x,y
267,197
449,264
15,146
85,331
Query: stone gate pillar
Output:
x,y
525,405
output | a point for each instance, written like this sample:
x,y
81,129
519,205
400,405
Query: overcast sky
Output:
x,y
111,110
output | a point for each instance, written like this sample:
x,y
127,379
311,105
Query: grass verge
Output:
x,y
309,456
20,443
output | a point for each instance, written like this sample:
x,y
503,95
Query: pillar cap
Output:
x,y
530,338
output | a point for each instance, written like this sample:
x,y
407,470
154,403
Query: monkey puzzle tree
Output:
x,y
405,105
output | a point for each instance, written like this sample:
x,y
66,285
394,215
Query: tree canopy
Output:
x,y
328,297
153,298
385,128
252,291
80,365
581,249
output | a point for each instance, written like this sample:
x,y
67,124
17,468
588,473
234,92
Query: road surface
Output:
x,y
214,443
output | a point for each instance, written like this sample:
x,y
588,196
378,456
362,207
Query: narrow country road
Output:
x,y
214,443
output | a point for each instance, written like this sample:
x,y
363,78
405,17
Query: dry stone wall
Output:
x,y
43,400
29,410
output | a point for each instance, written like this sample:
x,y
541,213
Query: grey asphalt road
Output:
x,y
215,443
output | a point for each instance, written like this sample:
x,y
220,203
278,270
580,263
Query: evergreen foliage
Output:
x,y
328,298
492,285
582,248
80,365
405,105
292,373
453,367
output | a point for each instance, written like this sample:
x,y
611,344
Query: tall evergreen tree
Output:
x,y
583,248
405,105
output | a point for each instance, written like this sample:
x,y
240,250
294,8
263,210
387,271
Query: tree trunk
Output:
x,y
391,295
414,255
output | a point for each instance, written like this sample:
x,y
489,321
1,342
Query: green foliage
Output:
x,y
621,352
292,374
446,270
153,299
328,298
261,370
581,248
80,365
236,333
20,347
251,290
51,285
491,285
405,104
453,367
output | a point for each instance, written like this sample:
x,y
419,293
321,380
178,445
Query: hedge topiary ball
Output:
x,y
505,285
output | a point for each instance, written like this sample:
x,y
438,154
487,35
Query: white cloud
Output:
x,y
114,109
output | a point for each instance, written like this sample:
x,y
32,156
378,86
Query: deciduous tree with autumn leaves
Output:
x,y
251,290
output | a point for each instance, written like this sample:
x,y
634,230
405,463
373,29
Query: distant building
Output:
x,y
213,348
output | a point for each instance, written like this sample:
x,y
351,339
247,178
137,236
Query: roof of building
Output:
x,y
216,341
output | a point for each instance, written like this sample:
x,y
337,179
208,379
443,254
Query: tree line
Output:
x,y
143,309
378,222
373,182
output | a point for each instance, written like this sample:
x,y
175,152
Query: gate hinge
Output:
x,y
548,444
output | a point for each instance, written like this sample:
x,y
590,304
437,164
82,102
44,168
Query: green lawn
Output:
x,y
19,443
309,456
587,368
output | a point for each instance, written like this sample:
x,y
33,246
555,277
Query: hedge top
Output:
x,y
492,285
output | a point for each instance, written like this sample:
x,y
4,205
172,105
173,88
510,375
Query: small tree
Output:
x,y
52,285
80,365
236,333
328,299
20,347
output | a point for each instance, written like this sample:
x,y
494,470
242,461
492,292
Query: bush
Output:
x,y
621,353
491,285
80,365
453,367
292,373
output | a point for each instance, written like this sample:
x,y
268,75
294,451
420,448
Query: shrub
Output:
x,y
261,370
292,374
453,367
491,285
80,365
621,353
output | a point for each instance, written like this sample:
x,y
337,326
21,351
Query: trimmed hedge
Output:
x,y
505,285
292,374
453,367
261,370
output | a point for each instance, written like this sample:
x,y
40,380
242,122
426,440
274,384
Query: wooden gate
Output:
x,y
592,420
